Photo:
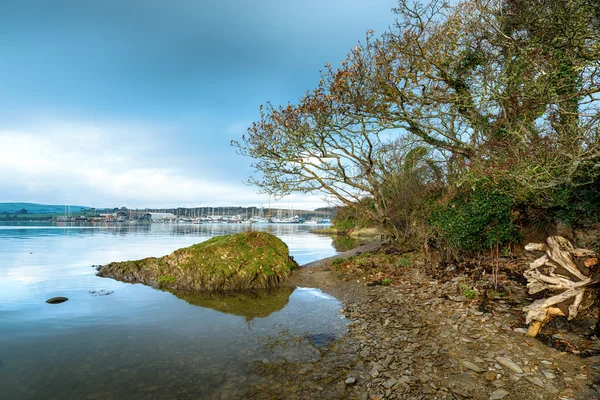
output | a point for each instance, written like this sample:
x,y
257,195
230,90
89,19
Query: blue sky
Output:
x,y
125,102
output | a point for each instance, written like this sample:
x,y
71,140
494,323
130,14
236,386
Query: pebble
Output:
x,y
471,366
510,364
535,380
549,374
499,394
389,383
404,353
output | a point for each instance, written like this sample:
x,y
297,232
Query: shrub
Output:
x,y
476,219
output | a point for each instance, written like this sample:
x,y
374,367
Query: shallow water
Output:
x,y
117,340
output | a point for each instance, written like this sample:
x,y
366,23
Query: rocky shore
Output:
x,y
421,338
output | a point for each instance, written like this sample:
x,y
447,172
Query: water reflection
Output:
x,y
138,342
247,304
344,243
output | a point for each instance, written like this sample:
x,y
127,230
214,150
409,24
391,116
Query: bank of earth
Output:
x,y
422,338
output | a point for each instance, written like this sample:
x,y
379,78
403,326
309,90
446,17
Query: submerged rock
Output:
x,y
247,260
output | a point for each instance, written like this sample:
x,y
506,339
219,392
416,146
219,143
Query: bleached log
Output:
x,y
559,251
536,247
574,308
539,262
536,326
542,275
583,253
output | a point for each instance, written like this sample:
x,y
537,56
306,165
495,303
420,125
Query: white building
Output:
x,y
159,217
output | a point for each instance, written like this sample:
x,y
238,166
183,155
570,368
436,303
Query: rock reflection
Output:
x,y
248,304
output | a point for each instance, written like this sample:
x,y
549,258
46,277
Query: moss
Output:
x,y
247,260
166,280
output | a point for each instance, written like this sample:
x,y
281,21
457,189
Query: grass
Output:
x,y
468,292
385,267
247,260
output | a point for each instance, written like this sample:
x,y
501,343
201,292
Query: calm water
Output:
x,y
117,340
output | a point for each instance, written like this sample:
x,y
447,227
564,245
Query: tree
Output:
x,y
500,90
505,87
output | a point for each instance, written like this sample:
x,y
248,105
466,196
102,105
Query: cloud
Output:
x,y
112,164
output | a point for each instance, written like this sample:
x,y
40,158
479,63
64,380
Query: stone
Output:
x,y
471,366
510,364
549,374
350,380
499,394
389,383
404,380
388,360
535,380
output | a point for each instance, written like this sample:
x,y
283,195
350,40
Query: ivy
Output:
x,y
476,219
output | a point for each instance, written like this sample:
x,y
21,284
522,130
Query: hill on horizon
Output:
x,y
34,208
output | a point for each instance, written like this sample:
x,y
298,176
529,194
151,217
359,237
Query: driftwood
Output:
x,y
564,270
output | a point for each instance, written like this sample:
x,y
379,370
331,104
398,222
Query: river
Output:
x,y
113,340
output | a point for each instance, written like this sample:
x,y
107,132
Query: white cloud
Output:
x,y
112,165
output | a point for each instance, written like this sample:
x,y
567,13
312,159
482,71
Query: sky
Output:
x,y
134,102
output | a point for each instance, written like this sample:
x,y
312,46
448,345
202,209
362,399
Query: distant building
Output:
x,y
158,216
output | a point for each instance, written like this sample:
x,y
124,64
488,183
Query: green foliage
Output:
x,y
468,292
403,262
351,217
476,219
344,225
337,261
575,204
166,280
386,282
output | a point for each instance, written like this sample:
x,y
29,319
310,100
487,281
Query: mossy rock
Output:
x,y
247,260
